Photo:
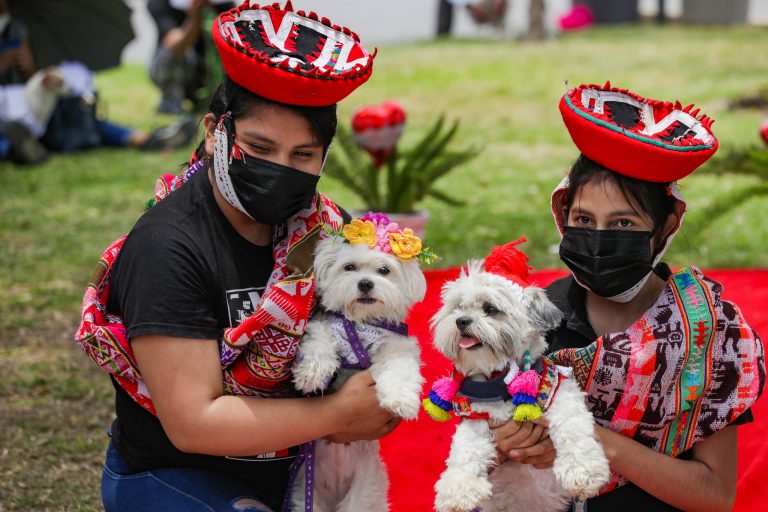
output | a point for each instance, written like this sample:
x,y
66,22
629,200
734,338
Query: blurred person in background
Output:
x,y
178,67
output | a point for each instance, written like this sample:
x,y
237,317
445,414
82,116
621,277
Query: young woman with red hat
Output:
x,y
197,312
668,367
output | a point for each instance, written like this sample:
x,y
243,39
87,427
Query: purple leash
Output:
x,y
307,450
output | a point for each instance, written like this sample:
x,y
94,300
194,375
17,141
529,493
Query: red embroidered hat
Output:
x,y
290,57
645,139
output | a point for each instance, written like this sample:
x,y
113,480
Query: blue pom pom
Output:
x,y
522,398
443,404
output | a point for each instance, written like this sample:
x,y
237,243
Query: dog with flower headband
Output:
x,y
492,325
367,276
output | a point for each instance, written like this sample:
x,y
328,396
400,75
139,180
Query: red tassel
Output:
x,y
312,15
509,262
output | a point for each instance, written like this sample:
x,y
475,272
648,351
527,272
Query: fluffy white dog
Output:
x,y
369,291
485,326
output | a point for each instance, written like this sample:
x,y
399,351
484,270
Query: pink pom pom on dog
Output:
x,y
526,383
446,388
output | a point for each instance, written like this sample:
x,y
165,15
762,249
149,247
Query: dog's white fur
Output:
x,y
507,320
351,477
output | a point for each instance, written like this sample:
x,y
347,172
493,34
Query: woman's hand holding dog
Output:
x,y
360,416
526,443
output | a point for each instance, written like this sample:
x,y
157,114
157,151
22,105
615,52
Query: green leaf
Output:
x,y
407,176
442,196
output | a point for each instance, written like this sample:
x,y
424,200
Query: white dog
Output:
x,y
371,292
486,325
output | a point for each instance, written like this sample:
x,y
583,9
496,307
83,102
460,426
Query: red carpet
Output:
x,y
415,453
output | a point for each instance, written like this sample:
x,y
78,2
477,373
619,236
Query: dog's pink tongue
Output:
x,y
467,342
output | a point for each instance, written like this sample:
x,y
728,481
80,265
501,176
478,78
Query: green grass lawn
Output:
x,y
55,219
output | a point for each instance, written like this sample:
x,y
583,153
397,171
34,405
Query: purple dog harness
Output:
x,y
306,453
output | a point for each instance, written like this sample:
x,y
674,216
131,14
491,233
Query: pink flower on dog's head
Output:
x,y
377,232
377,218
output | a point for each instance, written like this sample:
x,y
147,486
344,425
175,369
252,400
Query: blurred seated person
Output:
x,y
56,105
178,67
73,121
17,140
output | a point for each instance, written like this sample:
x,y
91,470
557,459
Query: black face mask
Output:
x,y
270,192
608,262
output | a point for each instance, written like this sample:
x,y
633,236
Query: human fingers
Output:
x,y
543,449
505,436
363,378
526,435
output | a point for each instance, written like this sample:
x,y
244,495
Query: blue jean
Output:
x,y
113,134
172,489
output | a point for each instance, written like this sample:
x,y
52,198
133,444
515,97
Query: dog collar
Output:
x,y
350,329
530,390
491,390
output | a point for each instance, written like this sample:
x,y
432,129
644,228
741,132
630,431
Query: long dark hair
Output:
x,y
647,198
233,98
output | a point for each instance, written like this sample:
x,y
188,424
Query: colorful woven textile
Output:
x,y
686,369
256,355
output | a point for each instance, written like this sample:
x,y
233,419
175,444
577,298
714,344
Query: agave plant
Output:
x,y
396,179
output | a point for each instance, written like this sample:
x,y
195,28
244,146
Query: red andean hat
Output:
x,y
290,57
645,139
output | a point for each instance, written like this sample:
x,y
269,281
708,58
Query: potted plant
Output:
x,y
390,179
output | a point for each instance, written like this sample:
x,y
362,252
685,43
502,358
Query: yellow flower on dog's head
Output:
x,y
405,245
360,232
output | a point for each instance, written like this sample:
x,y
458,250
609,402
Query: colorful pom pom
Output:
x,y
522,398
527,412
524,382
443,404
434,411
446,388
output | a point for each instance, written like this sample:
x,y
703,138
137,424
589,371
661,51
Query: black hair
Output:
x,y
651,198
231,97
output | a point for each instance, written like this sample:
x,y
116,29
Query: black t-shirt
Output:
x,y
575,332
184,271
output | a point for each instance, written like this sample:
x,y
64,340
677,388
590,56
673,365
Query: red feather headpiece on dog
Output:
x,y
509,262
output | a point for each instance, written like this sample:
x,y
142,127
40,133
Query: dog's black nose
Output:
x,y
463,322
365,285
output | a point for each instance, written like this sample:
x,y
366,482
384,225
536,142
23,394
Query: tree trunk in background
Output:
x,y
536,21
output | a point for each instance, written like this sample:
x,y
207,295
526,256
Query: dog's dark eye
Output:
x,y
383,271
489,309
350,267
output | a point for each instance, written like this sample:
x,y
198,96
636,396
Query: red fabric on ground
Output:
x,y
415,453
